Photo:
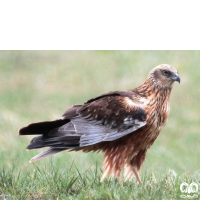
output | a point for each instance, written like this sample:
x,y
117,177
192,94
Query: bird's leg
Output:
x,y
120,180
136,163
117,174
136,172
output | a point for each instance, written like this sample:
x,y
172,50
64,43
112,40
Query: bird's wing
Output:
x,y
72,112
105,118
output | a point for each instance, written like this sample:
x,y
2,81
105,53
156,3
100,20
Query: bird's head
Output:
x,y
164,75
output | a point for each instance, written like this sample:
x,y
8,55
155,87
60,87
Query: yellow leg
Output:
x,y
135,171
120,180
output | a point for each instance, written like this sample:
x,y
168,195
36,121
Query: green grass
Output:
x,y
41,85
51,182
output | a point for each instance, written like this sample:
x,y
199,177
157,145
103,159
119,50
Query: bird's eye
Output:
x,y
165,72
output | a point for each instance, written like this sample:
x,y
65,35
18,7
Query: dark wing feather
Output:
x,y
127,93
111,111
72,112
92,133
105,118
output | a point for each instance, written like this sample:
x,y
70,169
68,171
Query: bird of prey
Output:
x,y
121,124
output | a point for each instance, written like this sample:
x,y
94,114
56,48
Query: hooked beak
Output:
x,y
176,78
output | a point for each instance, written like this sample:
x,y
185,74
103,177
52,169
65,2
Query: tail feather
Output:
x,y
42,128
46,153
53,135
57,142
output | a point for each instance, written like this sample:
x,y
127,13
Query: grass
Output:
x,y
50,183
41,85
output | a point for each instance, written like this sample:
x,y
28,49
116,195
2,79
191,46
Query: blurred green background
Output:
x,y
41,85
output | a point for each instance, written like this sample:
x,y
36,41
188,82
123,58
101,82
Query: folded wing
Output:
x,y
105,118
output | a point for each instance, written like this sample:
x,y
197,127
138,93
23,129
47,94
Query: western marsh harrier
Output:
x,y
121,124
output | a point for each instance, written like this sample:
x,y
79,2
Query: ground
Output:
x,y
41,85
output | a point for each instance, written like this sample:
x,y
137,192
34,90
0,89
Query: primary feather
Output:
x,y
122,124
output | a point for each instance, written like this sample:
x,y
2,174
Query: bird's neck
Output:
x,y
156,100
151,90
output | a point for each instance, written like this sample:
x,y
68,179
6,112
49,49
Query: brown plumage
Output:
x,y
122,124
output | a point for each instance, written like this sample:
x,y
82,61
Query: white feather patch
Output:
x,y
130,102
